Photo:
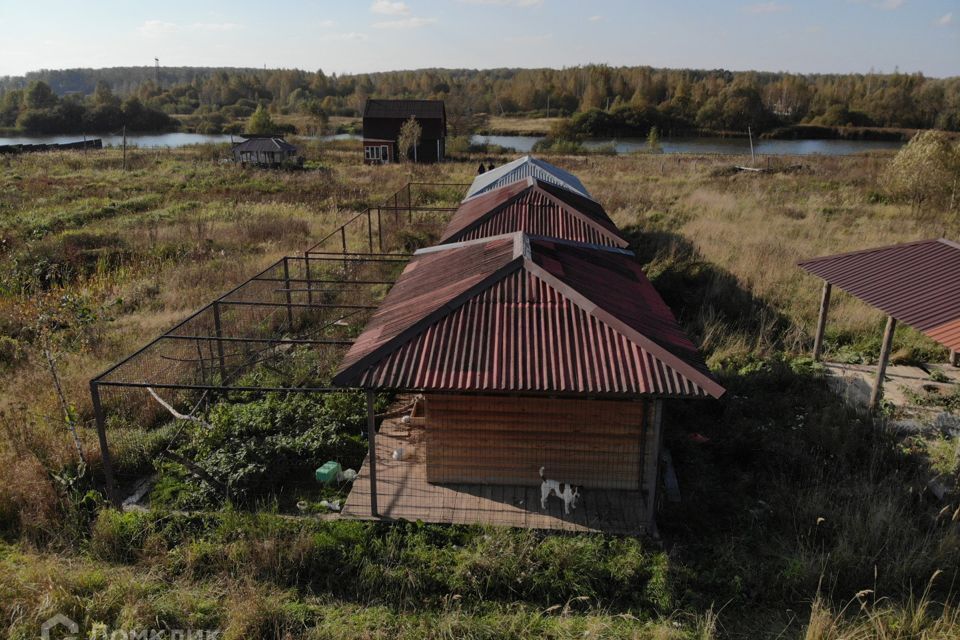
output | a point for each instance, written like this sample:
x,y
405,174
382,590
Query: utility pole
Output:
x,y
124,147
156,62
750,135
548,105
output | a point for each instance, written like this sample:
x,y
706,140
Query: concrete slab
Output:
x,y
902,384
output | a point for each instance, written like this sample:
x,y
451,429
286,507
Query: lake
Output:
x,y
727,146
521,144
147,140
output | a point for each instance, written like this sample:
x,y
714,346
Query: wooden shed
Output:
x,y
382,120
528,352
265,151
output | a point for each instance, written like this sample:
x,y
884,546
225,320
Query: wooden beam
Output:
x,y
821,320
882,365
954,358
372,447
652,472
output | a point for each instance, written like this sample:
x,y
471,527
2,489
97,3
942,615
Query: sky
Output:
x,y
350,36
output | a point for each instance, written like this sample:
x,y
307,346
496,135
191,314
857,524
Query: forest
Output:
x,y
609,100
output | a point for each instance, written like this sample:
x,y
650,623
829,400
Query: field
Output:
x,y
800,518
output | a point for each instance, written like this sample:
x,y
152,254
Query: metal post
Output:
x,y
218,330
882,366
306,268
286,285
104,448
653,470
369,231
372,448
380,230
821,320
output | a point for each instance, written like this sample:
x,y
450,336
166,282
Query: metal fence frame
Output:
x,y
401,202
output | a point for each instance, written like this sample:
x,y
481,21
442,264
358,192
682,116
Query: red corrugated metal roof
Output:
x,y
535,207
918,283
523,325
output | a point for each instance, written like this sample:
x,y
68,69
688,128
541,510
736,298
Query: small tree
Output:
x,y
653,140
927,169
260,123
409,138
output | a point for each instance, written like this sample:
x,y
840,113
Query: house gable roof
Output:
x,y
522,168
535,207
420,109
522,322
265,143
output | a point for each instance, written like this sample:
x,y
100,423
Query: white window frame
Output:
x,y
376,153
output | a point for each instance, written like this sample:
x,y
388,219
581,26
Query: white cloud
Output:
x,y
214,26
945,20
325,24
405,23
595,18
766,7
350,35
389,8
885,5
155,28
516,3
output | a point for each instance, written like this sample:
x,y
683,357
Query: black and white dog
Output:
x,y
567,492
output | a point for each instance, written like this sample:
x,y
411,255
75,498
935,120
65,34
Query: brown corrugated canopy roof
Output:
x,y
918,283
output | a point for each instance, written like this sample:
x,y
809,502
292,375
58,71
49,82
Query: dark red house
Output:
x,y
382,120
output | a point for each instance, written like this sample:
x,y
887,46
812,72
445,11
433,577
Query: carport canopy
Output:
x,y
916,283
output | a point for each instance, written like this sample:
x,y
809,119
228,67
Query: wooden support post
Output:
x,y
652,460
882,365
105,458
218,330
954,358
821,320
286,283
124,147
372,448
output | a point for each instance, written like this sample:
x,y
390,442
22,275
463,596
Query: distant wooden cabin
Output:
x,y
265,151
382,120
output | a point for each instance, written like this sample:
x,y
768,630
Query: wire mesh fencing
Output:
x,y
284,330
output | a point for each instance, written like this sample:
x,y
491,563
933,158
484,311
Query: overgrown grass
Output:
x,y
793,495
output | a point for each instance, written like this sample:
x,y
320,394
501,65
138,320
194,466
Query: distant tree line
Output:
x,y
605,100
37,109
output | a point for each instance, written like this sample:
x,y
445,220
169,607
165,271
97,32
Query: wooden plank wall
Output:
x,y
503,440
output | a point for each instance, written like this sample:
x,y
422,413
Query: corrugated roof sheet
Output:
x,y
404,109
274,143
522,168
534,207
918,283
526,322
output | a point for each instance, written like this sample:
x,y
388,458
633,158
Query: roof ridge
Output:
x,y
663,354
